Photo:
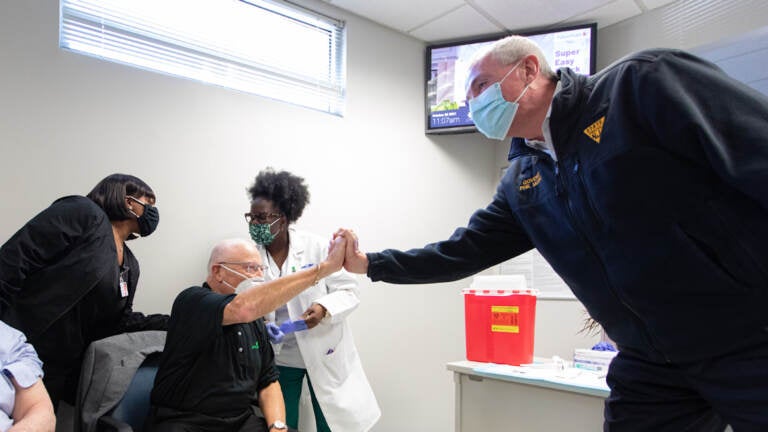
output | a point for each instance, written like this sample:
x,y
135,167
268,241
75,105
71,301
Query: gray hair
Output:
x,y
511,49
226,248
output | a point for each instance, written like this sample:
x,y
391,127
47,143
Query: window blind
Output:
x,y
265,47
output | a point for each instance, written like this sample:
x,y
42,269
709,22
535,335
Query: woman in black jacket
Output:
x,y
67,277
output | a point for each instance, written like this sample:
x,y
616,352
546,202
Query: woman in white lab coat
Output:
x,y
325,353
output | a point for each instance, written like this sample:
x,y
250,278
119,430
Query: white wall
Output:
x,y
685,24
68,120
742,57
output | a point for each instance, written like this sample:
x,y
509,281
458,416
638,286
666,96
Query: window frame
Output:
x,y
112,31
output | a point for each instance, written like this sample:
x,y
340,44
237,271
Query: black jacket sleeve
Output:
x,y
137,321
43,240
493,235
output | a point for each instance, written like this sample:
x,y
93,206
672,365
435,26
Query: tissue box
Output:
x,y
593,360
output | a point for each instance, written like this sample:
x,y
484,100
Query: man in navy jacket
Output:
x,y
645,186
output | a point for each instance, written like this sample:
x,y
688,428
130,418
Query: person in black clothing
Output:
x,y
218,364
645,186
67,277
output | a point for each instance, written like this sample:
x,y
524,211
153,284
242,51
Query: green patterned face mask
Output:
x,y
262,233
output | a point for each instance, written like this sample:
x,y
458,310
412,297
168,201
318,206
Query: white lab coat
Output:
x,y
328,349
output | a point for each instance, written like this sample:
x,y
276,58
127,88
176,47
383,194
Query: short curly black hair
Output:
x,y
287,191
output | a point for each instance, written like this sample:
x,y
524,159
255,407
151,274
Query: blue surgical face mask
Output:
x,y
491,113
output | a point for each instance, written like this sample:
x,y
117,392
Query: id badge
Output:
x,y
123,288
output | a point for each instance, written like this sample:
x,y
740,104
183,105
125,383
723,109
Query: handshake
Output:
x,y
344,252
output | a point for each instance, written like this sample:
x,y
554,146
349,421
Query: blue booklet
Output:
x,y
293,326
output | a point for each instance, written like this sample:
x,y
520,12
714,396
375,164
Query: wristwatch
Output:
x,y
279,425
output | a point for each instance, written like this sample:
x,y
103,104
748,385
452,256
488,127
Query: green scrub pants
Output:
x,y
290,382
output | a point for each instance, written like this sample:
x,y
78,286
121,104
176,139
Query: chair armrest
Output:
x,y
107,423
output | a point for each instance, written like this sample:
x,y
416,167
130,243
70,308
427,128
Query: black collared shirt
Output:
x,y
209,368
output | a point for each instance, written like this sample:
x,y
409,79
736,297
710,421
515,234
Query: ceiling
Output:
x,y
442,20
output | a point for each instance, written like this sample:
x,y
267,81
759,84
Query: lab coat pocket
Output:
x,y
335,356
336,365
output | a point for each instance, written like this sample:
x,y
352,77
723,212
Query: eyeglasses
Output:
x,y
260,217
143,204
250,267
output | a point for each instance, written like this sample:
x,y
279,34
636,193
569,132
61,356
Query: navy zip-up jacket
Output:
x,y
655,214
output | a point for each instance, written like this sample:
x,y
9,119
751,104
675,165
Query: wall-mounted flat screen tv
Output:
x,y
446,106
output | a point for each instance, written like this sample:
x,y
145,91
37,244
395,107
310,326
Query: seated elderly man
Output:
x,y
24,402
218,363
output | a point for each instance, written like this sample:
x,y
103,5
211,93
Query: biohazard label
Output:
x,y
595,129
504,319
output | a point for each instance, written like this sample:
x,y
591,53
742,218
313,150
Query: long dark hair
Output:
x,y
110,193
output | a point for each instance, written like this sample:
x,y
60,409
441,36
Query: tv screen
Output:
x,y
447,108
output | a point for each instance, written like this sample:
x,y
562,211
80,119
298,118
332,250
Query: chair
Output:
x,y
130,413
116,379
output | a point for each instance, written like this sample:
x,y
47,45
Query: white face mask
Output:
x,y
246,284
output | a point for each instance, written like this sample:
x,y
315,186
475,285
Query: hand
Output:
x,y
355,261
314,314
335,257
289,326
275,334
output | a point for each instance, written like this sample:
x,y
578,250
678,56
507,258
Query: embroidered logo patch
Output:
x,y
531,182
595,129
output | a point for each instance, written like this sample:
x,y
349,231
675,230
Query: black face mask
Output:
x,y
149,220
